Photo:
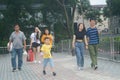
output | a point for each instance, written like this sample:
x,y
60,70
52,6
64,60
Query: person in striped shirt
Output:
x,y
93,41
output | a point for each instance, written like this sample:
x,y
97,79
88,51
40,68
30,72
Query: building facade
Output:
x,y
103,26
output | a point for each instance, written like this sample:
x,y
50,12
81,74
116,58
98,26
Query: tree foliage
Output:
x,y
57,13
112,9
12,14
88,11
61,12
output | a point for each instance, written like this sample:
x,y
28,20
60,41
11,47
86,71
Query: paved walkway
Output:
x,y
65,66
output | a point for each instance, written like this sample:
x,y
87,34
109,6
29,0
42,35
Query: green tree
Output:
x,y
60,11
88,11
63,12
112,8
11,15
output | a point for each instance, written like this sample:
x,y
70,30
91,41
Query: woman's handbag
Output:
x,y
30,55
73,52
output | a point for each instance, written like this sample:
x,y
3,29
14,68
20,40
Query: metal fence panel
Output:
x,y
107,49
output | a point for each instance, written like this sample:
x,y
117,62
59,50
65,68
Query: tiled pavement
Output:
x,y
65,66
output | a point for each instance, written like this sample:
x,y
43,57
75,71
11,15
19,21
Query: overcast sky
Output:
x,y
97,2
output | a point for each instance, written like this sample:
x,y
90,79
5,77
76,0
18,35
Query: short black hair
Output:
x,y
92,19
16,24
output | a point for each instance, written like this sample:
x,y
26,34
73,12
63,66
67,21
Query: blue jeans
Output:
x,y
14,53
48,60
79,48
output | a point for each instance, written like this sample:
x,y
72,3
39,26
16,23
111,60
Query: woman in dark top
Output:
x,y
79,39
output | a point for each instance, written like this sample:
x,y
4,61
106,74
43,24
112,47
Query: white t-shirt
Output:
x,y
33,38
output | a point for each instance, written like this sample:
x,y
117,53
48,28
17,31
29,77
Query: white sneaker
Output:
x,y
39,61
80,68
35,61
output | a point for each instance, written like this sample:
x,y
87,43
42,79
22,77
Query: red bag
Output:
x,y
30,55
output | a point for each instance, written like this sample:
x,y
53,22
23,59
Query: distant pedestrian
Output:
x,y
93,41
35,43
47,34
46,49
17,39
79,39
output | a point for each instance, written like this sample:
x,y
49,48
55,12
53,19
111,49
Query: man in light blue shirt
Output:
x,y
17,39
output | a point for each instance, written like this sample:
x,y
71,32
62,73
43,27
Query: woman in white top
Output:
x,y
35,42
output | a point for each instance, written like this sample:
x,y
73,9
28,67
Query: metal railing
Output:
x,y
109,48
63,46
4,50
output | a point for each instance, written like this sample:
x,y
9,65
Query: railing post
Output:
x,y
111,48
62,45
69,46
